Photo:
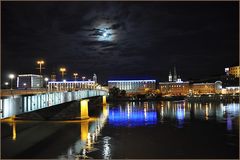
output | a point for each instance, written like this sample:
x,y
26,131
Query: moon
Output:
x,y
105,34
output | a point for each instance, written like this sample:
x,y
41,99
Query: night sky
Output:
x,y
120,39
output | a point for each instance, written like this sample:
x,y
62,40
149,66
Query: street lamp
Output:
x,y
75,76
46,81
40,62
62,70
83,78
6,84
11,76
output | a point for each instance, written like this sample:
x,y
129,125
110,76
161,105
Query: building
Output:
x,y
180,88
29,81
95,78
174,74
235,71
53,77
174,88
202,88
231,90
133,85
70,85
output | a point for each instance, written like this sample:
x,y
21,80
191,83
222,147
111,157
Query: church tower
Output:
x,y
170,76
95,78
174,74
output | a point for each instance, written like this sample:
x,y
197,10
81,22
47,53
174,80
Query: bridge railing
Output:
x,y
14,105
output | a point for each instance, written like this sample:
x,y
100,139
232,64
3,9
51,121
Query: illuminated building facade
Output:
x,y
180,88
203,88
53,77
29,81
174,88
231,90
235,71
132,85
70,85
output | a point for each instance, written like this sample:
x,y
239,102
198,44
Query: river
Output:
x,y
149,130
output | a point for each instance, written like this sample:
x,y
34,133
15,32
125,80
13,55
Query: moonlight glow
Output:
x,y
105,35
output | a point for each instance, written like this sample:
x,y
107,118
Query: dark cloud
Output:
x,y
144,38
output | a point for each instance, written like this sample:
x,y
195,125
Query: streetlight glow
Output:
x,y
11,76
75,76
46,79
62,70
40,62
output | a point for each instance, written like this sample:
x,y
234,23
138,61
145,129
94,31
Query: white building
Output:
x,y
29,81
132,85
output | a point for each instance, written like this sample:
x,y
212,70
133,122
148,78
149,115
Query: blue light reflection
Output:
x,y
131,117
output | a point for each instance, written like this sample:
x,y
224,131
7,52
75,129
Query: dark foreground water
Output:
x,y
131,130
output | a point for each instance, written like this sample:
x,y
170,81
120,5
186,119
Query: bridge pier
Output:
x,y
104,100
84,109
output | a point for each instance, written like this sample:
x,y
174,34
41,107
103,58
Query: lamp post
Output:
x,y
46,81
75,76
40,63
11,76
83,78
62,70
6,84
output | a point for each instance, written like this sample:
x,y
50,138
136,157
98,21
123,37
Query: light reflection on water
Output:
x,y
140,114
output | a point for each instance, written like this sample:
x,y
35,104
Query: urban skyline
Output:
x,y
114,39
90,80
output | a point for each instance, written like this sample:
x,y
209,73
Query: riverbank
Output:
x,y
195,98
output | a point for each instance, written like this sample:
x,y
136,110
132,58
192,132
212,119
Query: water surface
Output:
x,y
131,130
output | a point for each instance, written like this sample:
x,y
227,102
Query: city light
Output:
x,y
83,78
46,79
62,70
40,62
11,76
75,76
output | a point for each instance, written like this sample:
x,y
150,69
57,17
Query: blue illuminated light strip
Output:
x,y
132,81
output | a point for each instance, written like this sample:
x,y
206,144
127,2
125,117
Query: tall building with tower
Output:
x,y
170,76
95,78
174,74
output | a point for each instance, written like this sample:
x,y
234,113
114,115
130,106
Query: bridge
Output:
x,y
14,104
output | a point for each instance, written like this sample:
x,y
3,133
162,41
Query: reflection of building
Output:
x,y
29,81
132,85
235,71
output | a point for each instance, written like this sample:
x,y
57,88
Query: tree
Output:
x,y
114,92
123,93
